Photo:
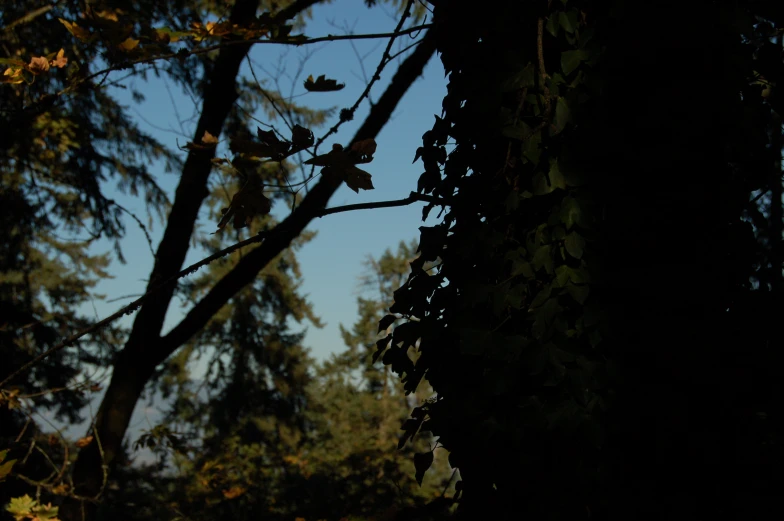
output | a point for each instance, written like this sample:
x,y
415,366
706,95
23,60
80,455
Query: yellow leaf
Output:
x,y
60,61
209,139
12,75
83,442
233,492
60,489
128,44
38,65
79,32
107,15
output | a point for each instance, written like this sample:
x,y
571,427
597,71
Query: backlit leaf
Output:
x,y
79,32
60,60
322,84
422,462
246,204
128,44
38,65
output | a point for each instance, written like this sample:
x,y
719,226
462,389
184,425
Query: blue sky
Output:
x,y
331,262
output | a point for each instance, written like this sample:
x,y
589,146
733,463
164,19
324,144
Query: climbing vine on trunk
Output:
x,y
589,257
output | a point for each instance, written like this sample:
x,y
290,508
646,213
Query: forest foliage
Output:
x,y
587,332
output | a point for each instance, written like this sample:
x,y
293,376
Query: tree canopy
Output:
x,y
587,331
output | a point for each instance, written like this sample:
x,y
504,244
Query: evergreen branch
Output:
x,y
46,101
133,306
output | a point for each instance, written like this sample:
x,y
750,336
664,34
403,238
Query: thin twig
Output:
x,y
133,306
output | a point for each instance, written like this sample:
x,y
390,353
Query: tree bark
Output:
x,y
145,348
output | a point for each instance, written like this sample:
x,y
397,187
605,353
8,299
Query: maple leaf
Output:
x,y
322,84
342,163
270,145
357,178
79,32
21,507
128,44
301,138
83,442
38,65
60,60
247,203
364,149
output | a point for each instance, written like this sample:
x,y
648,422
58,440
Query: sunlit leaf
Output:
x,y
234,492
79,32
128,44
38,65
20,507
59,60
83,442
5,466
209,139
12,75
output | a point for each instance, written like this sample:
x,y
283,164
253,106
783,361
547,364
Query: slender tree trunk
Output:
x,y
145,348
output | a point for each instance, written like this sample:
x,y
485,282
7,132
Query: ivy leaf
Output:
x,y
570,60
531,150
561,116
574,244
568,20
422,462
385,322
544,184
578,293
570,212
524,269
543,258
322,84
381,346
474,341
540,298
